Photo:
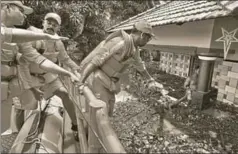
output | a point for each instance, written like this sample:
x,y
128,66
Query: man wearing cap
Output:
x,y
54,51
12,13
15,35
104,65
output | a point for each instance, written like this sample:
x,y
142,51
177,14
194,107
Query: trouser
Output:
x,y
57,88
12,114
6,108
17,119
102,91
11,117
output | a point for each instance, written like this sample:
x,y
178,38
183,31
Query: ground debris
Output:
x,y
138,122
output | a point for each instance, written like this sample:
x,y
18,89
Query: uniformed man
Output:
x,y
54,51
104,65
12,13
15,35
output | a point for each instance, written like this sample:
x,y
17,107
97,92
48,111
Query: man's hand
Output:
x,y
37,93
56,37
77,74
74,78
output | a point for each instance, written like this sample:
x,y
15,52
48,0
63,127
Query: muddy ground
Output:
x,y
143,127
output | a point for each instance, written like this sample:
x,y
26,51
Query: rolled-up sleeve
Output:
x,y
30,54
64,57
105,53
6,34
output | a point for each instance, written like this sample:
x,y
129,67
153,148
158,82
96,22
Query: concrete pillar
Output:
x,y
201,96
205,73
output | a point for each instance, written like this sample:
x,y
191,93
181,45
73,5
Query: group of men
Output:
x,y
30,66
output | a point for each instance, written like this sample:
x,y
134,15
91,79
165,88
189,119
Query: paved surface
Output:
x,y
7,142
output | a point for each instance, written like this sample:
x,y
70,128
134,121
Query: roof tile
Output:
x,y
180,12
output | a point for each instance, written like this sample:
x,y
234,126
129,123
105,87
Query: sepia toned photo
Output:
x,y
119,76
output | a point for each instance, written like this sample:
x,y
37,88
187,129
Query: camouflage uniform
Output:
x,y
111,57
50,82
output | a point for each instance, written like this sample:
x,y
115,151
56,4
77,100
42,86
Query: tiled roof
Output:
x,y
180,12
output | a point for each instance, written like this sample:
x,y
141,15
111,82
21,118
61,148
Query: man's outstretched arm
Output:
x,y
31,55
21,35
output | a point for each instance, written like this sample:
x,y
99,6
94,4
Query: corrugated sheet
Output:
x,y
180,12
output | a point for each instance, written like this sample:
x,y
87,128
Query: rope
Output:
x,y
43,146
95,133
34,132
38,122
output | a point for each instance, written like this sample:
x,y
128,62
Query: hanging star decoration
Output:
x,y
227,38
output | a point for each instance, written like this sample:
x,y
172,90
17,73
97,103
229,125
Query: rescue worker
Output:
x,y
54,51
12,13
104,65
15,35
190,85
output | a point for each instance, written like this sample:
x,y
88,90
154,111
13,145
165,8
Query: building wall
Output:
x,y
229,24
192,34
176,64
225,79
201,35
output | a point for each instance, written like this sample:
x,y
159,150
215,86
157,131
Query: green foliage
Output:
x,y
84,22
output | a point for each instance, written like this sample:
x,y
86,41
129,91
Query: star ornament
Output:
x,y
227,38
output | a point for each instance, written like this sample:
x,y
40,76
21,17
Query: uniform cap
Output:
x,y
144,27
27,10
54,16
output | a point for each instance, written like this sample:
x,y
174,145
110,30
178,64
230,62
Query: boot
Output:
x,y
17,119
74,128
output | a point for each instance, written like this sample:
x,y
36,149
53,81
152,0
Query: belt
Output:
x,y
8,78
9,63
38,74
115,79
